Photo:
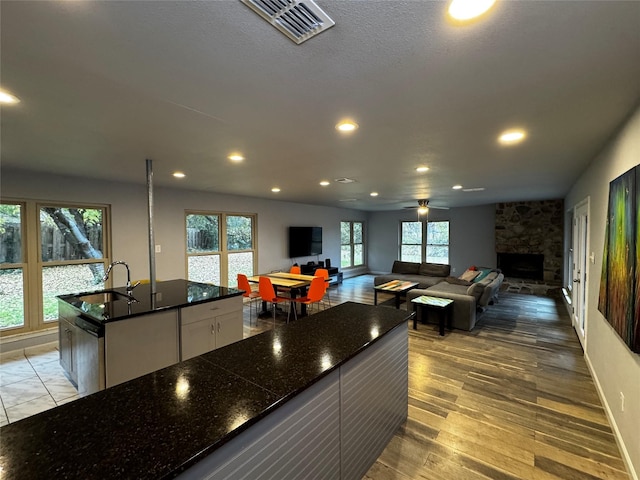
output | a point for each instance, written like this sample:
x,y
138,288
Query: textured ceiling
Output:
x,y
106,85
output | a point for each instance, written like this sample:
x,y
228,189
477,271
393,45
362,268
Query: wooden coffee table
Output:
x,y
441,305
397,287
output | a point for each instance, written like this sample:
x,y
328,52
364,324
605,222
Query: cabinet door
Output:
x,y
228,328
66,341
139,345
198,338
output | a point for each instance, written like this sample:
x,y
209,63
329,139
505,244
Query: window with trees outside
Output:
x,y
351,244
219,246
424,242
47,250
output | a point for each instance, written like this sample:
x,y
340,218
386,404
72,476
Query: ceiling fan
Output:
x,y
423,207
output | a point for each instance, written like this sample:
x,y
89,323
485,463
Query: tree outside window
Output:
x,y
351,244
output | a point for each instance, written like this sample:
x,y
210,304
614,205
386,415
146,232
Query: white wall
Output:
x,y
615,368
471,233
129,226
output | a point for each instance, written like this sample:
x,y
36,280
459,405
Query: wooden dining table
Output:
x,y
294,282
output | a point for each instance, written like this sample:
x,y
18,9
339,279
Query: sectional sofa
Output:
x,y
470,297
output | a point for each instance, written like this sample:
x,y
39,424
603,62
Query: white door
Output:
x,y
580,268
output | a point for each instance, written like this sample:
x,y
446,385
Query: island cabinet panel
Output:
x,y
207,326
369,418
301,439
140,345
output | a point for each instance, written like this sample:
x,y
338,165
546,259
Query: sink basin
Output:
x,y
103,297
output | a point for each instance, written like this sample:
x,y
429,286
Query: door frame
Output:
x,y
580,269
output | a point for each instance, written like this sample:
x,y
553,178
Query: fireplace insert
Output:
x,y
522,265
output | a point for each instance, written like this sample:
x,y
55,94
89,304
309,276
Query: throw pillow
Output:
x,y
405,267
483,273
469,275
434,269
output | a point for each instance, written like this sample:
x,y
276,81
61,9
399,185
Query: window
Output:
x,y
47,250
351,244
414,248
220,246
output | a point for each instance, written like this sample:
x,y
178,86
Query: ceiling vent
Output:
x,y
297,19
344,180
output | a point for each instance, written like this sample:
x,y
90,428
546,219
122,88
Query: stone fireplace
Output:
x,y
529,239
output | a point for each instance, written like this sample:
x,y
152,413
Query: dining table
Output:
x,y
293,282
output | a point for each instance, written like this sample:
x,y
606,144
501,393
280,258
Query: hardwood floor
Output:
x,y
513,399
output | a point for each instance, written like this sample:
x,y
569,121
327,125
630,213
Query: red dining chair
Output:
x,y
254,297
314,295
324,273
268,294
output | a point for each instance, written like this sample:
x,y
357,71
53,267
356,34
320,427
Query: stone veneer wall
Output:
x,y
533,227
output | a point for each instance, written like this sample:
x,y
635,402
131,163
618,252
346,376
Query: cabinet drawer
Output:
x,y
202,311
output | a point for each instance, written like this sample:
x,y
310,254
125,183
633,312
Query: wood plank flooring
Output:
x,y
512,399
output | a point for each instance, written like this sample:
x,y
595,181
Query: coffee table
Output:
x,y
441,305
397,287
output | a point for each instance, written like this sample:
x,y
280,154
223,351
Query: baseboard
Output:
x,y
26,340
616,432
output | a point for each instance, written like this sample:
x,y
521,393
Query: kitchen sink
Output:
x,y
103,297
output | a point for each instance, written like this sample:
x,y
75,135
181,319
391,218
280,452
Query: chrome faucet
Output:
x,y
121,262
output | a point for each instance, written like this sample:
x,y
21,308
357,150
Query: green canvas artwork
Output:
x,y
619,298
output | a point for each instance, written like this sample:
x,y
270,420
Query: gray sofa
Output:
x,y
469,298
425,274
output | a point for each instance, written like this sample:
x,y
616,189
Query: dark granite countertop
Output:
x,y
158,425
169,294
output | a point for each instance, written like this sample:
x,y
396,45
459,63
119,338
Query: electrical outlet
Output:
x,y
158,249
621,402
453,270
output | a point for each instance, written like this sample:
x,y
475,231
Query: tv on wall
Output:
x,y
305,241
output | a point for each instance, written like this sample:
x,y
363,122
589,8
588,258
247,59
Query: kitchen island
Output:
x,y
318,398
112,336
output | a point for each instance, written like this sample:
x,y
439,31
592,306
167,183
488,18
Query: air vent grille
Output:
x,y
299,20
344,180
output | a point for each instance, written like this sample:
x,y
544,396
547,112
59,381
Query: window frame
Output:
x,y
223,251
33,265
424,245
352,245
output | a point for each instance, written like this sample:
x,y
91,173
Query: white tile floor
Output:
x,y
32,381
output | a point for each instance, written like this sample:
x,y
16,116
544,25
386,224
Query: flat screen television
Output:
x,y
305,241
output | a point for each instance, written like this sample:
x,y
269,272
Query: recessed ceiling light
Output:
x,y
325,183
374,194
6,97
457,187
467,9
275,189
235,157
476,189
511,137
347,126
422,169
179,174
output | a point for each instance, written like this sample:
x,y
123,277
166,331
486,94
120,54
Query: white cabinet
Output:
x,y
140,345
207,326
